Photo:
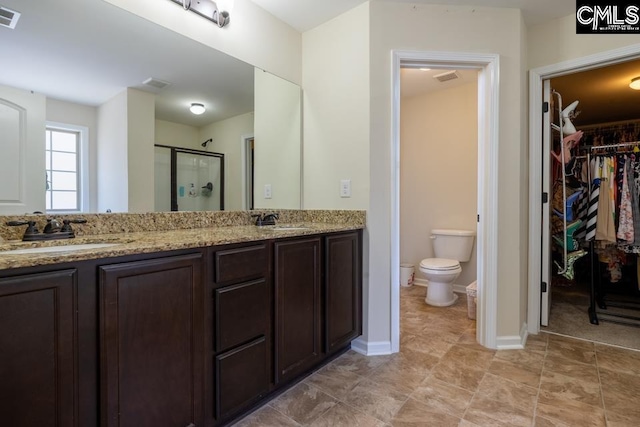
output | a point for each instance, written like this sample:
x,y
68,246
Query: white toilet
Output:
x,y
450,247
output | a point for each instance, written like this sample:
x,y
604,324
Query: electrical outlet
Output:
x,y
345,188
267,191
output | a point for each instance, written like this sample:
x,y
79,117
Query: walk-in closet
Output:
x,y
593,171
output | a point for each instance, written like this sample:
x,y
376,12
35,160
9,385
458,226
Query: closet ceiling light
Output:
x,y
635,83
197,109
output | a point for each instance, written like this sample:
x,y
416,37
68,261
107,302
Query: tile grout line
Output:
x,y
604,407
535,407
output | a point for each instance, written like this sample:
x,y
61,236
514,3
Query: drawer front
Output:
x,y
241,313
242,376
239,264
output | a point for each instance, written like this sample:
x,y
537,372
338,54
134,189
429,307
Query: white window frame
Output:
x,y
83,163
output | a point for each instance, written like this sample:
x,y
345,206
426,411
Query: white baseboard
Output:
x,y
513,342
359,345
459,289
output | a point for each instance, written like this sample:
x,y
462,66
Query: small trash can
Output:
x,y
406,275
472,299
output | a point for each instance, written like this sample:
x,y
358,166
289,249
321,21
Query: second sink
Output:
x,y
288,228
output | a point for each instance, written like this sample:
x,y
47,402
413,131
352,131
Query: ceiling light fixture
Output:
x,y
217,11
197,108
635,83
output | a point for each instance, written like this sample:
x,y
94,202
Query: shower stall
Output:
x,y
188,180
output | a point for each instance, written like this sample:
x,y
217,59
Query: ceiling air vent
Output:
x,y
8,18
449,75
157,83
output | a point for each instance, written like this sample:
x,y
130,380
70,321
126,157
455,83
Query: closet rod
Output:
x,y
622,144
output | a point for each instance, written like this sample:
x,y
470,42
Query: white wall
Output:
x,y
112,155
277,145
438,171
140,135
177,135
556,41
336,71
85,116
336,111
227,139
125,153
253,35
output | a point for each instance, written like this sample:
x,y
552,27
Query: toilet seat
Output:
x,y
439,264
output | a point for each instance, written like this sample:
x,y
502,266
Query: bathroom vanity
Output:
x,y
193,329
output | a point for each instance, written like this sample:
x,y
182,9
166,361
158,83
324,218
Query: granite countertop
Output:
x,y
157,241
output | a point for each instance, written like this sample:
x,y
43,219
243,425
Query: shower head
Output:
x,y
204,144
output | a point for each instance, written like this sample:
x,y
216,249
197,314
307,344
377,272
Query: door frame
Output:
x,y
536,77
488,66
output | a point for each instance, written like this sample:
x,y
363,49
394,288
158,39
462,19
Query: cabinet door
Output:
x,y
242,377
297,282
152,343
343,306
37,324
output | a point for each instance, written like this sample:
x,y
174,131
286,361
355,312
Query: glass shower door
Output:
x,y
188,180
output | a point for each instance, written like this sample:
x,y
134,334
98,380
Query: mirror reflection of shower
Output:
x,y
188,180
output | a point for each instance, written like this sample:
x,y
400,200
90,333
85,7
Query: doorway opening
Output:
x,y
248,166
595,119
487,67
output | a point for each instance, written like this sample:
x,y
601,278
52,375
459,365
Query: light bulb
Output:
x,y
635,83
197,108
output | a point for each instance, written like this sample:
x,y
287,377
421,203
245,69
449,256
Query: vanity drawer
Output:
x,y
241,313
238,264
242,376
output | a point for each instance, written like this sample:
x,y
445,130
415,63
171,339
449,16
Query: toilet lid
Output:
x,y
442,264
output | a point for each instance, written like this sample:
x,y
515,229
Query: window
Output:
x,y
63,170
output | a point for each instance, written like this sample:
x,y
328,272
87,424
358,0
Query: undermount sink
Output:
x,y
288,228
61,248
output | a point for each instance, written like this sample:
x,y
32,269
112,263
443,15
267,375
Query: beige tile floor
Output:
x,y
441,377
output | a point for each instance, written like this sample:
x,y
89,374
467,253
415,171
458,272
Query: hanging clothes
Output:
x,y
605,223
626,230
594,197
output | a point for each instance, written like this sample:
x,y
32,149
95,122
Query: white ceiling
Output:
x,y
415,82
304,15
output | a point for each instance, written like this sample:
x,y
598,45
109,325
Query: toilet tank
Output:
x,y
453,244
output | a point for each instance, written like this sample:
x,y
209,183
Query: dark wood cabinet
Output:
x,y
151,328
241,320
37,348
193,337
342,290
298,306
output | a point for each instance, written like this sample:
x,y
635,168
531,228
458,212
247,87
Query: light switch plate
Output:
x,y
267,191
345,188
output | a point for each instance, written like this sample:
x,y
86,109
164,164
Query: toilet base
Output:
x,y
440,294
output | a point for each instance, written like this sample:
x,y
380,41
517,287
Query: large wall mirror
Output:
x,y
107,87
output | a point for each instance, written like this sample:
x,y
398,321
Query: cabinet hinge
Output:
x,y
545,197
545,107
543,287
478,219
